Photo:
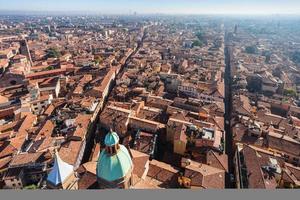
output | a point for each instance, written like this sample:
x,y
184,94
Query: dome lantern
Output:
x,y
112,143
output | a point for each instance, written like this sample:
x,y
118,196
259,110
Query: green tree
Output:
x,y
53,53
200,35
197,43
290,92
31,187
251,49
267,54
50,68
98,59
296,57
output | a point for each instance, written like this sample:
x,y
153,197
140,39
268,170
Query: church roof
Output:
x,y
60,171
114,167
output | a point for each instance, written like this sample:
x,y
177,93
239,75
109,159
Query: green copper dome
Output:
x,y
111,139
114,167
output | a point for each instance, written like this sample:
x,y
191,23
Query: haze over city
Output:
x,y
149,94
157,6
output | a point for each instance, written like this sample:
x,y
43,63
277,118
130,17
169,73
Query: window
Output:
x,y
13,82
286,157
113,150
14,185
296,159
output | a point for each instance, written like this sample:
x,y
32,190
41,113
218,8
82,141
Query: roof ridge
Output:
x,y
60,171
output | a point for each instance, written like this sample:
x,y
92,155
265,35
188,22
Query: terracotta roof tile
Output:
x,y
87,181
69,151
217,160
205,176
4,162
25,159
139,160
6,149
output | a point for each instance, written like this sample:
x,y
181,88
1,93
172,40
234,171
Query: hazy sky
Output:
x,y
158,6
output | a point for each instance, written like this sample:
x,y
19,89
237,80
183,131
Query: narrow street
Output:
x,y
228,109
91,141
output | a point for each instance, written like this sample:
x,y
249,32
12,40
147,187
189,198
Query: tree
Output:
x,y
197,43
296,57
267,54
268,59
31,187
200,35
251,49
53,53
290,92
50,68
98,59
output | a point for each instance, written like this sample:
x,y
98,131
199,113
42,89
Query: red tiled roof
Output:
x,y
87,180
255,174
69,151
161,171
205,176
6,149
4,162
53,72
216,160
139,160
25,158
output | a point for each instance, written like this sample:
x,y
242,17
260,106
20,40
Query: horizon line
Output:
x,y
94,12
